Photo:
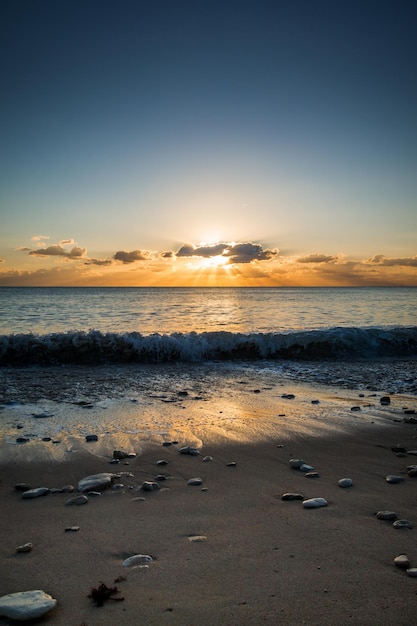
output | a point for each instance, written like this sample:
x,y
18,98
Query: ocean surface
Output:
x,y
45,326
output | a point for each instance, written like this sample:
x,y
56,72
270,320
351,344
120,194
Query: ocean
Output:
x,y
159,362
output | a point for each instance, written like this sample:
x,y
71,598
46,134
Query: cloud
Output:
x,y
65,242
167,255
248,252
99,262
317,258
57,250
1,260
130,257
202,251
380,259
23,249
39,237
235,252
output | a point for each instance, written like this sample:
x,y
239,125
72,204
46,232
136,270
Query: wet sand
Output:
x,y
259,559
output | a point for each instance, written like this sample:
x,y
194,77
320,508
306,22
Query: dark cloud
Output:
x,y
167,255
203,251
248,252
99,262
380,259
317,258
235,252
57,250
130,257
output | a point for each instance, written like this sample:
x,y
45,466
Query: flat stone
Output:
x,y
402,523
312,475
197,538
26,605
345,482
313,503
150,485
35,493
189,450
72,529
138,560
292,496
207,459
26,547
77,500
414,452
402,561
91,438
23,487
96,481
387,515
296,463
412,571
393,479
195,481
120,454
306,468
162,462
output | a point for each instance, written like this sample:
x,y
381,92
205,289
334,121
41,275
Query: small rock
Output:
x,y
207,459
197,538
91,438
306,468
231,464
35,493
77,500
402,561
313,503
22,439
162,462
160,477
398,448
189,450
288,396
138,560
402,523
393,479
386,515
26,547
292,496
166,444
72,529
413,452
118,487
114,461
345,482
412,571
296,463
22,487
96,481
120,454
385,400
26,605
312,475
150,485
315,402
412,472
195,482
355,408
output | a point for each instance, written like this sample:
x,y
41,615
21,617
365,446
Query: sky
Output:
x,y
205,142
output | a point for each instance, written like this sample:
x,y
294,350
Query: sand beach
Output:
x,y
229,550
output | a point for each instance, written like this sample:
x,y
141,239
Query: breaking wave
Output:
x,y
95,347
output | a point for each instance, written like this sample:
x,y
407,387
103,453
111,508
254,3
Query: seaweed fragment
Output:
x,y
102,593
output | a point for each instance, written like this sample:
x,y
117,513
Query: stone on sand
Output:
x,y
96,482
26,605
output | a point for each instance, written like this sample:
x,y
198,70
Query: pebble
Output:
x,y
207,459
402,523
312,475
288,396
345,482
393,479
162,462
150,485
120,454
412,472
65,489
296,463
77,500
22,439
72,529
35,493
414,452
386,515
26,605
385,400
118,487
160,477
398,448
138,560
26,547
91,438
355,408
412,571
313,503
96,481
292,496
22,487
189,450
306,468
166,444
197,538
231,464
402,561
195,481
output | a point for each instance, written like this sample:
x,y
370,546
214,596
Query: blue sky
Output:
x,y
143,126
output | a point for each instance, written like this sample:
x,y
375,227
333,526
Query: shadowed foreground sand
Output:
x,y
264,560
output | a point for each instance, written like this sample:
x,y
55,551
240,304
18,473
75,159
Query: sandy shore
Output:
x,y
263,560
